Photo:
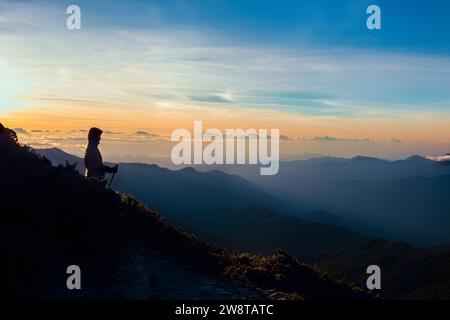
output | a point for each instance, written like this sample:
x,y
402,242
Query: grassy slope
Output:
x,y
52,217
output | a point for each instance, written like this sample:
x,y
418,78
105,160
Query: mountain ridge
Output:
x,y
53,217
153,187
393,257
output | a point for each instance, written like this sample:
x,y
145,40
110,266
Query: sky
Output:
x,y
309,68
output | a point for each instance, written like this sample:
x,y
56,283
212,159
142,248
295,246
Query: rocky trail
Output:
x,y
151,275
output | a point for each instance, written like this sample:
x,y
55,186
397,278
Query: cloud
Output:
x,y
146,134
36,144
142,133
334,139
284,138
180,71
212,99
20,130
440,158
188,66
324,138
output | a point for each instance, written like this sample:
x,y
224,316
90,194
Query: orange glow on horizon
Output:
x,y
429,129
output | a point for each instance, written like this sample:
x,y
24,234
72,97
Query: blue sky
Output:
x,y
408,27
412,25
312,61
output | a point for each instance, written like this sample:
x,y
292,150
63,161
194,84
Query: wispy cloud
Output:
x,y
334,139
166,71
217,98
156,66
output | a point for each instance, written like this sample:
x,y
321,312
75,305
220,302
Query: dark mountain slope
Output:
x,y
416,209
407,272
261,231
228,209
198,195
52,217
404,200
214,193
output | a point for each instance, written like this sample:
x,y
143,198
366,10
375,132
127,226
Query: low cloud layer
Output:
x,y
144,146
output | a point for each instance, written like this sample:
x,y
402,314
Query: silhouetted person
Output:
x,y
93,158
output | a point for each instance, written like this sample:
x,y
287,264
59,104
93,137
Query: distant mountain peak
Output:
x,y
188,170
52,149
415,158
364,158
58,156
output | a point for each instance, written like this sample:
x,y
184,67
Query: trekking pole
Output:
x,y
112,178
110,181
